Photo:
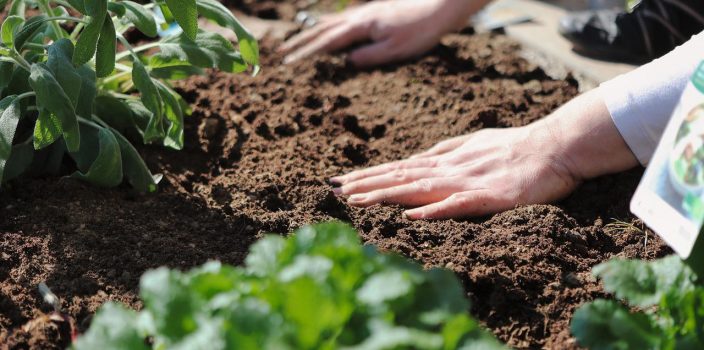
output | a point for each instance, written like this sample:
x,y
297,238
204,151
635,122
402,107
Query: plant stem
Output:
x,y
116,76
123,96
76,30
141,48
26,95
44,5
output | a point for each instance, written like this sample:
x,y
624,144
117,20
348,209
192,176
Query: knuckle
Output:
x,y
423,185
400,174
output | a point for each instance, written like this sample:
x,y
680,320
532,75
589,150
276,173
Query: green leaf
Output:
x,y
209,50
78,5
173,70
165,294
114,112
28,30
217,12
105,56
10,26
134,168
645,283
19,162
113,328
185,13
9,118
174,114
47,130
52,96
142,18
605,324
59,62
17,9
263,256
106,169
89,91
6,71
151,99
88,41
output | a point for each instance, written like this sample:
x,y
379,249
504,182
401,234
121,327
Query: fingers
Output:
x,y
384,168
329,40
375,54
306,36
419,192
443,147
463,204
394,178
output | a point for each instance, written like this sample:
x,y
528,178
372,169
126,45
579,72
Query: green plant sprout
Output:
x,y
66,90
665,307
318,289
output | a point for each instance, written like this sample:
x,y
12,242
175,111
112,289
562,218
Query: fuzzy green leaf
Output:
x,y
644,283
52,96
174,114
209,50
47,129
20,161
151,99
605,325
106,169
142,18
88,41
17,8
28,30
10,26
59,62
217,12
113,327
135,170
185,13
78,5
86,99
9,118
105,54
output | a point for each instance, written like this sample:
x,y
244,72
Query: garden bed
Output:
x,y
257,156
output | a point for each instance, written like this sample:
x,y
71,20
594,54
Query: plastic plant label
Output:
x,y
670,196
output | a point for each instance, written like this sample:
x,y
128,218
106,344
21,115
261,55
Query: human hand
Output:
x,y
398,29
481,173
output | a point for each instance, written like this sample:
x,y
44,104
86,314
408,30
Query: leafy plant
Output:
x,y
319,289
669,304
66,90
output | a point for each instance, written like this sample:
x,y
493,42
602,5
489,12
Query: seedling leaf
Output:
x,y
9,118
52,96
106,169
217,12
185,13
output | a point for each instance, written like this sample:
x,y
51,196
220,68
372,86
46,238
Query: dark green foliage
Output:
x,y
319,289
670,301
78,95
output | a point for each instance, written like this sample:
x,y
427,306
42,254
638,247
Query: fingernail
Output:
x,y
337,191
357,198
412,215
335,181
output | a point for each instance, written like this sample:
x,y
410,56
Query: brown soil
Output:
x,y
259,151
286,9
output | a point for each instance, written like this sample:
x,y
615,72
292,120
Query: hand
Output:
x,y
496,169
485,172
398,29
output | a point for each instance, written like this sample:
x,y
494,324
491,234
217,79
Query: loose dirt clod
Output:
x,y
256,165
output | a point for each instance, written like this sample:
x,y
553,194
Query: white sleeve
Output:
x,y
641,101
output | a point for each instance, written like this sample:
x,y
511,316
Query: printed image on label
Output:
x,y
670,197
